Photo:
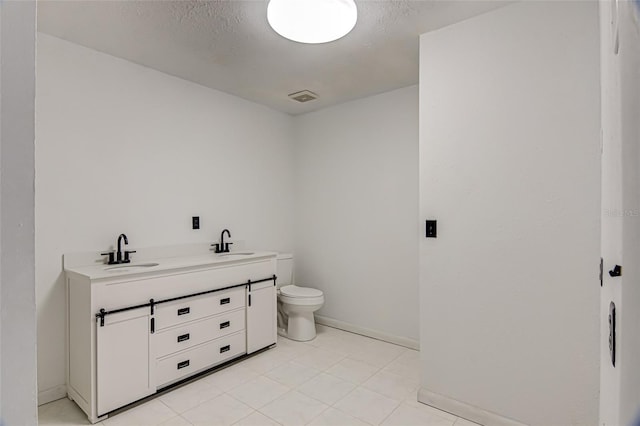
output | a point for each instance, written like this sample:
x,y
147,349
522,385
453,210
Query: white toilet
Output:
x,y
296,305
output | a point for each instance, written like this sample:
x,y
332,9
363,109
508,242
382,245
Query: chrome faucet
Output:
x,y
120,256
222,247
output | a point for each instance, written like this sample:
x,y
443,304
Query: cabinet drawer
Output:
x,y
194,308
191,334
185,363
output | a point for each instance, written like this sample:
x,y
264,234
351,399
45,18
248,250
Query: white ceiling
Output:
x,y
229,46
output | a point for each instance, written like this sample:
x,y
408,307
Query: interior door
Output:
x,y
619,371
611,223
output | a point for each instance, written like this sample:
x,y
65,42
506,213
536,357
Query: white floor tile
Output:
x,y
188,396
332,341
150,413
293,409
407,415
222,410
327,370
333,417
342,342
407,365
259,391
288,349
378,353
392,385
231,377
367,405
292,374
326,388
333,344
256,419
176,421
264,362
352,370
61,412
319,359
464,422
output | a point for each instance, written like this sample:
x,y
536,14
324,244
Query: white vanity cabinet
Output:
x,y
131,334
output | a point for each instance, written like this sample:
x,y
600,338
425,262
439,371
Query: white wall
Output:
x,y
509,165
123,148
620,386
17,281
356,202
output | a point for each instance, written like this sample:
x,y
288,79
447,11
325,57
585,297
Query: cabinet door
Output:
x,y
124,371
261,316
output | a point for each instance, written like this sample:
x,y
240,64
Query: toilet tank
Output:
x,y
284,270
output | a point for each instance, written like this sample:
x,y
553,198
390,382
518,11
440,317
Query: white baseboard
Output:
x,y
466,411
52,394
402,341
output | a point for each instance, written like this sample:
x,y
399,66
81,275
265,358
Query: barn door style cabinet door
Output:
x,y
261,323
124,373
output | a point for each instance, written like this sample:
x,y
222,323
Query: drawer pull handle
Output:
x,y
225,301
225,348
184,311
224,324
183,364
183,337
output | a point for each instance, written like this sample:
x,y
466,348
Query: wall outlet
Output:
x,y
195,222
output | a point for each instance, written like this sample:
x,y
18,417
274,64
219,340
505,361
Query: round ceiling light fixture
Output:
x,y
312,21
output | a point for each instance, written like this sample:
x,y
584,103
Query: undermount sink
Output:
x,y
128,267
236,253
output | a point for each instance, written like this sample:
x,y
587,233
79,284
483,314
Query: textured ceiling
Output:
x,y
229,46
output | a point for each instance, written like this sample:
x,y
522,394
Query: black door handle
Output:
x,y
616,271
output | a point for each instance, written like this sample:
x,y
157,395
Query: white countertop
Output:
x,y
99,271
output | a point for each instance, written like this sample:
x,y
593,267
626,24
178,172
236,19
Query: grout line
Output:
x,y
319,414
163,403
270,418
391,413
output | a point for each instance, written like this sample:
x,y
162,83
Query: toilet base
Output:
x,y
301,327
296,321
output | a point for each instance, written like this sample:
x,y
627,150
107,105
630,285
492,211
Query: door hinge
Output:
x,y
601,271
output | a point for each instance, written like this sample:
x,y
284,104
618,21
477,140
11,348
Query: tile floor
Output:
x,y
339,379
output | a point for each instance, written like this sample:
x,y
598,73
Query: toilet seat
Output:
x,y
296,291
295,295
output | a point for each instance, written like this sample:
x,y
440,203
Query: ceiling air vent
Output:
x,y
303,96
